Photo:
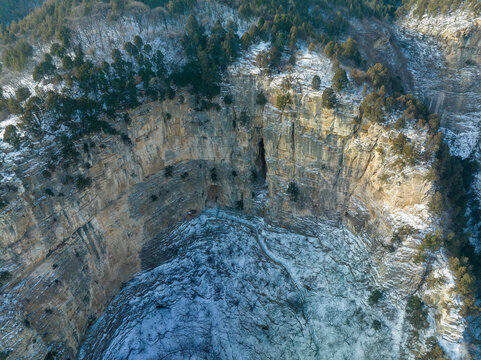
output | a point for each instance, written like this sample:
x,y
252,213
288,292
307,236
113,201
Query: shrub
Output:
x,y
69,153
83,182
14,106
357,76
5,276
293,191
22,94
436,204
376,325
261,99
131,49
213,174
253,176
46,174
11,136
125,139
465,284
168,171
316,82
283,101
228,100
15,57
375,296
339,81
416,313
431,243
404,148
43,69
351,51
244,117
67,63
378,75
331,50
239,205
57,50
153,198
328,98
372,108
49,192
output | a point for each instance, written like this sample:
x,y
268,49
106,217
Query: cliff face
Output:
x,y
70,253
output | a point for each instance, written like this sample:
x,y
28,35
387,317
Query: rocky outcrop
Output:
x,y
69,254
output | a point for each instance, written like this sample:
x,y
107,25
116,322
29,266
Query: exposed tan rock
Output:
x,y
69,255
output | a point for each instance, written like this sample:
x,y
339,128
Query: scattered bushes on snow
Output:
x,y
434,351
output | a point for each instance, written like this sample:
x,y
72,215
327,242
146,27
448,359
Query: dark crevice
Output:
x,y
262,160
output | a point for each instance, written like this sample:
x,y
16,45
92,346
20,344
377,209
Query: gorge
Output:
x,y
255,229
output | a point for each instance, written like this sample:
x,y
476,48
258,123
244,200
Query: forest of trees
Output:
x,y
95,93
11,10
15,57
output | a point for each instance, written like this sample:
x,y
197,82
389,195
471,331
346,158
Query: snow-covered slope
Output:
x,y
240,289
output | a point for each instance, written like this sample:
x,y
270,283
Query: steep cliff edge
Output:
x,y
68,254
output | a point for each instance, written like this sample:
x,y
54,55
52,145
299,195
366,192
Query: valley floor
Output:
x,y
240,289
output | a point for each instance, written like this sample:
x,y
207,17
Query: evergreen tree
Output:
x,y
11,136
22,93
67,63
328,98
339,81
351,51
131,49
316,82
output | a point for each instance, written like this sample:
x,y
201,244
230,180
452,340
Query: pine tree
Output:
x,y
328,98
316,82
339,81
11,136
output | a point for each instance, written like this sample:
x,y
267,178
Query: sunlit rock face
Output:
x,y
240,289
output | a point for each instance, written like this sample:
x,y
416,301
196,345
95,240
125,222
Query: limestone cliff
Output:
x,y
69,250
